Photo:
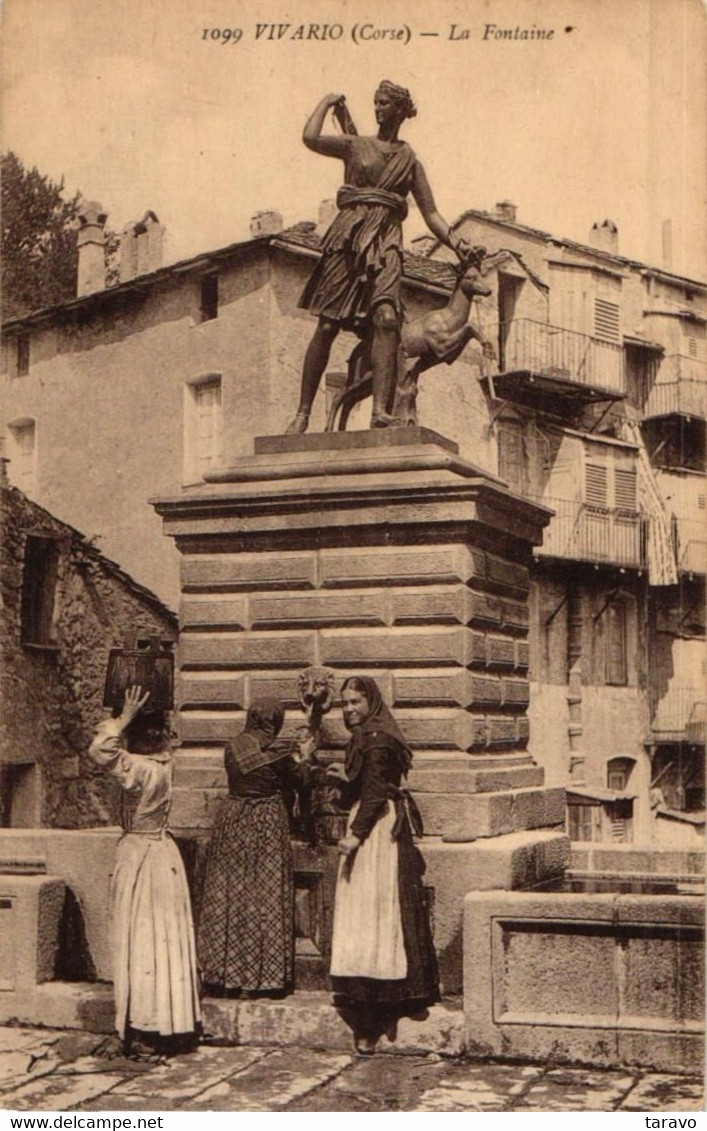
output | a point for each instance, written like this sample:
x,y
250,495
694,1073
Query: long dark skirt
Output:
x,y
246,927
421,986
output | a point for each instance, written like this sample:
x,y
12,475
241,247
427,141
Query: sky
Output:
x,y
134,107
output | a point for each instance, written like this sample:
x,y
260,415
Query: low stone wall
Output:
x,y
604,979
645,859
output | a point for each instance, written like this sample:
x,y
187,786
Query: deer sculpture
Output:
x,y
435,337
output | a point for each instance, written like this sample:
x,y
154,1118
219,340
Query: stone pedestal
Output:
x,y
380,553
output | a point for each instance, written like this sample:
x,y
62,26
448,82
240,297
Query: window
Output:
x,y
22,354
22,437
615,651
610,478
39,577
511,454
209,298
606,320
202,427
618,772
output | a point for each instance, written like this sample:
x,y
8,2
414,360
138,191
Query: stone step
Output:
x,y
305,1019
457,818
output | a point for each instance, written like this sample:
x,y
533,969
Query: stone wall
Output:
x,y
52,693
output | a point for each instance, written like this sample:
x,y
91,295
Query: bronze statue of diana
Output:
x,y
357,283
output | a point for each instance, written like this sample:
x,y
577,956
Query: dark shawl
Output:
x,y
379,729
256,746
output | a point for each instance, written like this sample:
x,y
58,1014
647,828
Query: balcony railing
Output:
x,y
680,387
554,352
594,534
690,538
680,714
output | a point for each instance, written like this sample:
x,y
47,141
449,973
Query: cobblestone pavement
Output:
x,y
51,1070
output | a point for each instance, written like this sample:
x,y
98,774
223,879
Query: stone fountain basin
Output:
x,y
605,978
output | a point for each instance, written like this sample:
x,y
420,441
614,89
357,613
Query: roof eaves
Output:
x,y
195,264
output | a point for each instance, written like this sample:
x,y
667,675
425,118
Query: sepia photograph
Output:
x,y
353,556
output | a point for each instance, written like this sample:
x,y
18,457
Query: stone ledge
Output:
x,y
352,441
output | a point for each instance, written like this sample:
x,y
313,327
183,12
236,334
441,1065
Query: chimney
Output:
x,y
605,237
325,216
505,210
267,223
141,247
92,248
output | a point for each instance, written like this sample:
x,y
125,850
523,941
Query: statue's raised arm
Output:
x,y
356,285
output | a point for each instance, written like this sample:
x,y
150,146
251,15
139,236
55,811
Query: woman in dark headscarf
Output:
x,y
246,928
383,961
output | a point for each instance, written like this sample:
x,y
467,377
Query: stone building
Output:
x,y
595,408
64,605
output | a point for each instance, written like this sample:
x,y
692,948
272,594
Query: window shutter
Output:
x,y
606,320
510,454
625,489
616,660
596,484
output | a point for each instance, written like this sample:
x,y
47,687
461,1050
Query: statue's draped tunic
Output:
x,y
362,252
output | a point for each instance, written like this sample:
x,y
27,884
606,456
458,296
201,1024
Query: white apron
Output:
x,y
368,933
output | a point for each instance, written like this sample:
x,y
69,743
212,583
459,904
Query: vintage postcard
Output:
x,y
353,556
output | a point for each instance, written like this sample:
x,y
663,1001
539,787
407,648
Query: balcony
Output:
x,y
588,533
680,716
690,540
680,389
541,361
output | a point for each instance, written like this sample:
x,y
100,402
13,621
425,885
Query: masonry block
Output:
x,y
406,647
507,575
500,732
458,817
202,689
515,693
469,780
232,572
273,685
522,732
251,650
483,610
476,649
500,652
518,860
536,809
317,610
439,688
431,606
31,910
485,690
408,565
216,612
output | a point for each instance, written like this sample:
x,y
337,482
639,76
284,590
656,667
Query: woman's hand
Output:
x,y
335,773
307,748
134,702
348,845
332,99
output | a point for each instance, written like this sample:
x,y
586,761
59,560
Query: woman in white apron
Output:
x,y
154,958
383,963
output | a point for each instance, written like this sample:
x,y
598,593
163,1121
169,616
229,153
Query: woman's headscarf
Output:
x,y
379,721
256,745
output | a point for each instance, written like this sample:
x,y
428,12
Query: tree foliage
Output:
x,y
39,251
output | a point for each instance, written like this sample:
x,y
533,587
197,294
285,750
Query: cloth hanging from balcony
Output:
x,y
660,548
